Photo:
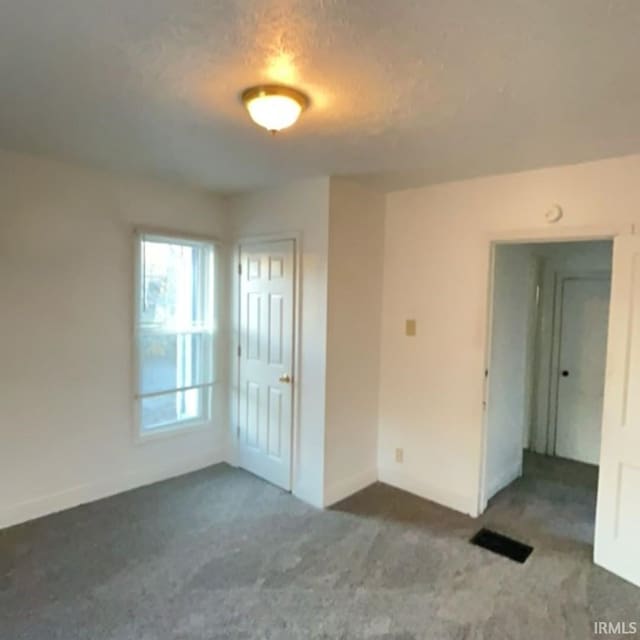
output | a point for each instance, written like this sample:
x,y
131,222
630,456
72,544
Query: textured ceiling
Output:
x,y
404,91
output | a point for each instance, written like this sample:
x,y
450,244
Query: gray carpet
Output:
x,y
221,554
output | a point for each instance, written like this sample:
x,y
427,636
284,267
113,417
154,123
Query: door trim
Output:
x,y
296,238
541,235
553,391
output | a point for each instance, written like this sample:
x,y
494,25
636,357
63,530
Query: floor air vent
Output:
x,y
507,547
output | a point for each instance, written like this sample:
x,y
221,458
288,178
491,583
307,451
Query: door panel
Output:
x,y
617,539
266,359
583,339
276,304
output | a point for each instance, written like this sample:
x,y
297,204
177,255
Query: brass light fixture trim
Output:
x,y
274,106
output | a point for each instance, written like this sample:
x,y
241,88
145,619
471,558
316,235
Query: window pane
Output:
x,y
160,411
172,361
174,284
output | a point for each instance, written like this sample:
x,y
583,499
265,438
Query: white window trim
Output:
x,y
184,427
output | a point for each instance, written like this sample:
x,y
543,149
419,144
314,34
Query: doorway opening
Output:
x,y
545,380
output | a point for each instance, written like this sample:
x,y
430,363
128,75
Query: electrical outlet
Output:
x,y
399,455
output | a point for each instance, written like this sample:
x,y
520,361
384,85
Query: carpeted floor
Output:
x,y
221,554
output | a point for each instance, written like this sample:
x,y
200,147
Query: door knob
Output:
x,y
286,378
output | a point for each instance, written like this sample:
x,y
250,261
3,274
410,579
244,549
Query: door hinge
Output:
x,y
239,268
238,432
239,351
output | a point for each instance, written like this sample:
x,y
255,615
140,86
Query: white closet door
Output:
x,y
266,360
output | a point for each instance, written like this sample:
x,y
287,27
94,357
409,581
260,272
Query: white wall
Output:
x,y
436,270
557,258
301,207
66,289
356,238
508,398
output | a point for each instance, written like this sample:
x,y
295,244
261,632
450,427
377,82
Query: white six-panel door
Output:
x,y
617,540
266,360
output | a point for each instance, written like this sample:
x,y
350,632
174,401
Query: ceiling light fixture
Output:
x,y
274,107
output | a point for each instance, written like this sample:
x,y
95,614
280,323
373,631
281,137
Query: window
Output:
x,y
174,333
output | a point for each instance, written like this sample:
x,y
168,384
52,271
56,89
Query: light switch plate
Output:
x,y
410,328
399,455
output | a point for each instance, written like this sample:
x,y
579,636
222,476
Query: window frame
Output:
x,y
189,425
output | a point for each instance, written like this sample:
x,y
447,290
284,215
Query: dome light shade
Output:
x,y
274,107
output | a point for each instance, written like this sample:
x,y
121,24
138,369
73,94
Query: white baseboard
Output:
x,y
348,486
504,479
89,492
309,496
444,497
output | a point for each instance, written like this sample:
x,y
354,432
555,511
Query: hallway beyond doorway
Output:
x,y
553,503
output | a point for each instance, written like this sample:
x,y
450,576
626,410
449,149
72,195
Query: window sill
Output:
x,y
171,431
